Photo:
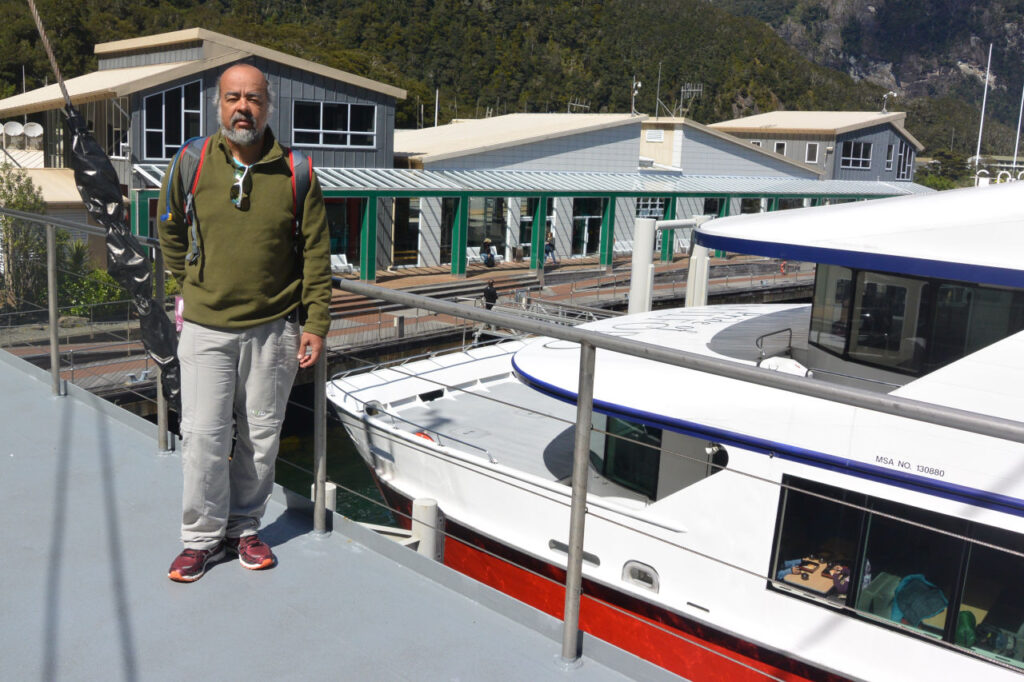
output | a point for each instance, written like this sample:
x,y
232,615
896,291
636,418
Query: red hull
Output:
x,y
666,639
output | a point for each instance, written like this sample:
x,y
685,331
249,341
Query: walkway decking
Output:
x,y
90,524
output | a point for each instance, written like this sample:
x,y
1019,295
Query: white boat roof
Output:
x,y
804,428
970,235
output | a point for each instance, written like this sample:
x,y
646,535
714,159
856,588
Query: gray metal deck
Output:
x,y
90,525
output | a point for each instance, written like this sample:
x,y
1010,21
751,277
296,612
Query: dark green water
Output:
x,y
344,465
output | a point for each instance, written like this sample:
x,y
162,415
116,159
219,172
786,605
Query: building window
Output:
x,y
650,207
333,124
118,123
888,158
172,117
756,143
905,162
856,155
812,152
780,148
943,577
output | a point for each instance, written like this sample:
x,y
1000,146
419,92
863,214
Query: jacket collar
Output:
x,y
272,151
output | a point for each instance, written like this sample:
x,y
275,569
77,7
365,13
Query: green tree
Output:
x,y
22,243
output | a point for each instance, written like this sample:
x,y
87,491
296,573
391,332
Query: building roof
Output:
x,y
672,121
815,123
57,185
217,50
463,137
406,182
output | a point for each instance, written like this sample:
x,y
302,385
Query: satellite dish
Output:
x,y
13,128
33,129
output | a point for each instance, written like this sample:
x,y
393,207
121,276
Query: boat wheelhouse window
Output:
x,y
886,320
632,455
907,324
941,576
833,296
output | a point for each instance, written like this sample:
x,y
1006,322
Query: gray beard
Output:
x,y
244,137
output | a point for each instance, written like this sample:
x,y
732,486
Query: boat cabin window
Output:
x,y
650,461
632,455
935,576
908,324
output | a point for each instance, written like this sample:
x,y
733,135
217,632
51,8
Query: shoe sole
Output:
x,y
179,578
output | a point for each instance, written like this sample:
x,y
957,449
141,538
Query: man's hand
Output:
x,y
312,343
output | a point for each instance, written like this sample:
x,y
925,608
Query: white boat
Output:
x,y
739,530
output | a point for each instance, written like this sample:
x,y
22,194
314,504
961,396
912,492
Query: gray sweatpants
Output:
x,y
231,376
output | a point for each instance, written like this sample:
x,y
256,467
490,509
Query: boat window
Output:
x,y
830,314
908,324
885,322
632,455
818,537
990,619
910,569
941,576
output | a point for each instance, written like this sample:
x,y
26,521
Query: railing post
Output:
x,y
578,507
161,402
51,301
320,443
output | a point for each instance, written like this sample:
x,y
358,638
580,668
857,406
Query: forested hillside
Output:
x,y
491,56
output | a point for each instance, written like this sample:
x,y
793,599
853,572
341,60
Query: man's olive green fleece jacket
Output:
x,y
248,271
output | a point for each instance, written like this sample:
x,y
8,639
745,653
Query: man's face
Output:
x,y
244,104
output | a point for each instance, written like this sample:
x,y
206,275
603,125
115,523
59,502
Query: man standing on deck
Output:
x,y
248,277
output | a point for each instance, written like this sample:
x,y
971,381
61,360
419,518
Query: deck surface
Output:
x,y
90,526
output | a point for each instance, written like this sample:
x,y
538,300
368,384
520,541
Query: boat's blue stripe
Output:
x,y
922,267
949,491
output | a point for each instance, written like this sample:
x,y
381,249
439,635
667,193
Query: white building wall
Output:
x,y
562,227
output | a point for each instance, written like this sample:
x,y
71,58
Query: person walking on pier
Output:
x,y
490,295
251,273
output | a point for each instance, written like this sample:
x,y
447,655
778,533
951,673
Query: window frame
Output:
x,y
855,155
905,161
321,131
756,143
808,158
888,157
779,144
184,112
969,537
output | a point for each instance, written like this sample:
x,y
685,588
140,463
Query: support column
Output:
x,y
697,277
368,242
606,249
460,235
668,237
539,232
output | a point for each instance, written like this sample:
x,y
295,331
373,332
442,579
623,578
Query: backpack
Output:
x,y
191,157
489,259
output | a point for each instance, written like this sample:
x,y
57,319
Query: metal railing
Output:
x,y
589,342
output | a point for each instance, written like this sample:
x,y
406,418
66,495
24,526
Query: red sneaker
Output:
x,y
252,552
190,565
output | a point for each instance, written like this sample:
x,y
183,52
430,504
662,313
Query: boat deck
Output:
x,y
91,525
